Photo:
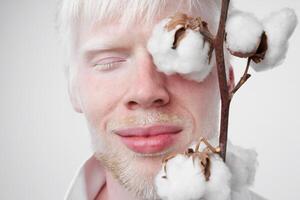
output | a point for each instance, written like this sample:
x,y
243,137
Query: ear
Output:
x,y
231,81
74,97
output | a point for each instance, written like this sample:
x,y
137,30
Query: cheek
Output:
x,y
98,97
201,100
205,98
197,95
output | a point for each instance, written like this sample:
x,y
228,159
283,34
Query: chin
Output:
x,y
135,171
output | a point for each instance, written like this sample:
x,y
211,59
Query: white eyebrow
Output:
x,y
97,44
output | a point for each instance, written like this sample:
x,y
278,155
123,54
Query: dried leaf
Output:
x,y
177,19
207,169
186,22
194,23
179,35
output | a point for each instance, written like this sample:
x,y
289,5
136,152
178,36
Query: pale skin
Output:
x,y
116,78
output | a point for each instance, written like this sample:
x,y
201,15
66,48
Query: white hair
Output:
x,y
74,12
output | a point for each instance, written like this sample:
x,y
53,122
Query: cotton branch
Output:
x,y
175,36
243,79
199,173
224,90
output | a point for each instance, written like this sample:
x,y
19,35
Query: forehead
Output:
x,y
128,12
81,16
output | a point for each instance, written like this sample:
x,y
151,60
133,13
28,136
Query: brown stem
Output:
x,y
224,90
243,79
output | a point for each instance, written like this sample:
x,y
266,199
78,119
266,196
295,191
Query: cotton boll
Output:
x,y
185,180
193,59
244,33
242,164
161,39
279,26
218,186
159,45
275,56
189,51
193,54
189,59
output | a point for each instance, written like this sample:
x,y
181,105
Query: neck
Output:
x,y
113,190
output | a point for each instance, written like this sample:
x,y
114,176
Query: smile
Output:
x,y
149,140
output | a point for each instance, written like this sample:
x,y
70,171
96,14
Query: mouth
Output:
x,y
149,140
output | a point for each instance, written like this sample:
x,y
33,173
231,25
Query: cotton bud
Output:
x,y
183,178
178,48
243,34
278,26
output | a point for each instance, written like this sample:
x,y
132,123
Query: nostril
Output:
x,y
136,104
131,104
158,102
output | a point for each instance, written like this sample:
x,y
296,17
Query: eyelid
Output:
x,y
108,63
110,59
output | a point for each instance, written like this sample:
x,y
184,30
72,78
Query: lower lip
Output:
x,y
149,144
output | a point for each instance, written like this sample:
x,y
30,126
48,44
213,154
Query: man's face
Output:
x,y
137,115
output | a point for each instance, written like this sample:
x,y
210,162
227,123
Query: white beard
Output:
x,y
124,168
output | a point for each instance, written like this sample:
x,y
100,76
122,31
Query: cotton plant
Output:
x,y
184,45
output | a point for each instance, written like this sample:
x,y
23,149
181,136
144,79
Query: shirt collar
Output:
x,y
88,181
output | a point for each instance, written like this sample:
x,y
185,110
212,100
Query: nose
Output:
x,y
147,87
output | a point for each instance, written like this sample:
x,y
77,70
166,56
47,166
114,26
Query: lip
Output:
x,y
149,140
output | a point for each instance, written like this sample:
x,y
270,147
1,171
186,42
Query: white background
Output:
x,y
43,141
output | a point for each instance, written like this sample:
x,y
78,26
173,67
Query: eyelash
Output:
x,y
108,66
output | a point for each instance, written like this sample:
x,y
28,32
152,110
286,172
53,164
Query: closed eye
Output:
x,y
108,64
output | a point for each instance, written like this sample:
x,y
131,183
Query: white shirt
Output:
x,y
88,181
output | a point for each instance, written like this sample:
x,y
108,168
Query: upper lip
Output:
x,y
148,131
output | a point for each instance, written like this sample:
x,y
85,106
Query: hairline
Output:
x,y
74,13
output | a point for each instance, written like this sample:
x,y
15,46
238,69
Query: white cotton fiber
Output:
x,y
193,58
159,46
189,59
242,194
243,33
218,186
184,181
242,164
278,26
